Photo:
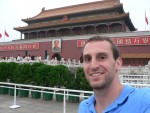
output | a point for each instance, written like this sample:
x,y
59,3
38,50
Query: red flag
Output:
x,y
146,19
6,34
0,35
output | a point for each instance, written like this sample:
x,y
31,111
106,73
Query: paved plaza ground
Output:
x,y
29,105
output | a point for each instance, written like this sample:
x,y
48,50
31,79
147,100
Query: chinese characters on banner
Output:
x,y
132,41
145,40
123,41
14,47
81,43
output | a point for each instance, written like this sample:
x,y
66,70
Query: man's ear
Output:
x,y
119,63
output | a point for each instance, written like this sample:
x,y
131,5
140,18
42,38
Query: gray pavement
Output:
x,y
29,105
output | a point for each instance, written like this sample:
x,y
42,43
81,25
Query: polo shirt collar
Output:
x,y
127,90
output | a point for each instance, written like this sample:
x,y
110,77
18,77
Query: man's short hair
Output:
x,y
114,48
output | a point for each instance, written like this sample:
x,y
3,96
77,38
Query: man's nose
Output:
x,y
94,63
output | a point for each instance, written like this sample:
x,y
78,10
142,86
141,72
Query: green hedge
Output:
x,y
84,85
40,74
7,71
23,74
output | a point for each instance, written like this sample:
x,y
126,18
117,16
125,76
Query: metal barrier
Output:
x,y
16,86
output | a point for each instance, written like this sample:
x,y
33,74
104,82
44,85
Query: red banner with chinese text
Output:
x,y
81,43
132,41
123,41
15,47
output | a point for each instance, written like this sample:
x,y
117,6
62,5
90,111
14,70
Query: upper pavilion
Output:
x,y
98,17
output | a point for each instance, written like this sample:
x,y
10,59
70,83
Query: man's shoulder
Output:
x,y
83,102
142,95
145,93
142,91
137,94
84,106
57,49
89,100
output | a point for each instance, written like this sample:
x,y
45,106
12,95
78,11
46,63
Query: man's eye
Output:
x,y
101,57
87,59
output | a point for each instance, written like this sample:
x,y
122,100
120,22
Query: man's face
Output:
x,y
99,65
56,43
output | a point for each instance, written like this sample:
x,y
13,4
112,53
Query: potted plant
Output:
x,y
84,85
37,79
44,78
75,84
49,82
62,73
11,77
4,73
23,76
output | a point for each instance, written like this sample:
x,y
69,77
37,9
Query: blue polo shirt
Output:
x,y
131,100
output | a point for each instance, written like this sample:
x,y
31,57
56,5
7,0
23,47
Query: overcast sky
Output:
x,y
12,11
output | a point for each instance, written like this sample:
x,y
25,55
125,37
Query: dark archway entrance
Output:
x,y
81,59
57,55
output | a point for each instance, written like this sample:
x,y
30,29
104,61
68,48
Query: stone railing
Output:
x,y
135,79
135,75
68,62
134,70
126,70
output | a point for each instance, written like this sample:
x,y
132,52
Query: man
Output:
x,y
56,47
19,57
101,63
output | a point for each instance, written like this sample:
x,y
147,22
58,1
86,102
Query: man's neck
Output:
x,y
104,97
